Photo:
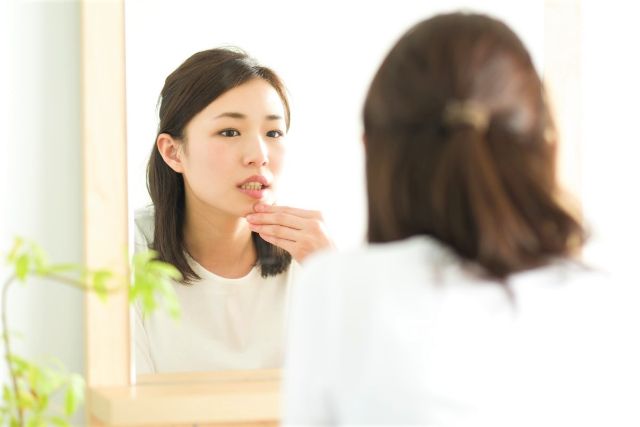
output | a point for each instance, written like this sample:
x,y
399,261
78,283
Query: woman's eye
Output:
x,y
275,134
229,133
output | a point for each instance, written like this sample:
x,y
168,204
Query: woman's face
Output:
x,y
232,153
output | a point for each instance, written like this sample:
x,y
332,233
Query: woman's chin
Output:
x,y
249,207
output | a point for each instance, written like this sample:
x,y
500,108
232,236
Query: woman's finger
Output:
x,y
302,213
278,231
278,218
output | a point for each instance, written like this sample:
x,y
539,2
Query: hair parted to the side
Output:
x,y
188,90
457,147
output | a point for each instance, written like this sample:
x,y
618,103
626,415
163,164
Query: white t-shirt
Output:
x,y
225,323
404,334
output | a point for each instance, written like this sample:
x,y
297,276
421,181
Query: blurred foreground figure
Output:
x,y
469,307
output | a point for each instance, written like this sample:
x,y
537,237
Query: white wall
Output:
x,y
326,52
611,135
40,169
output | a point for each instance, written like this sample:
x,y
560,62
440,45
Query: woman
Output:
x,y
212,176
468,307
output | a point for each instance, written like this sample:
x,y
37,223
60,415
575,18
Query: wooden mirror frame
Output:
x,y
213,398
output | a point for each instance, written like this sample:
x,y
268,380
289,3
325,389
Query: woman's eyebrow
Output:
x,y
232,115
235,115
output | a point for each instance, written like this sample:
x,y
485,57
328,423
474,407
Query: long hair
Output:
x,y
188,90
460,147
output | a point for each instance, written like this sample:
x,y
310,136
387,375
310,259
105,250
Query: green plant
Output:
x,y
29,400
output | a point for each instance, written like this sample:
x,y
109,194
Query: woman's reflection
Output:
x,y
212,177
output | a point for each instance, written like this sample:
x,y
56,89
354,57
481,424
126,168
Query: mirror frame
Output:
x,y
105,190
213,398
113,398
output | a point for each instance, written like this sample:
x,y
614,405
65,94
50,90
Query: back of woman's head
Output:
x,y
196,83
460,146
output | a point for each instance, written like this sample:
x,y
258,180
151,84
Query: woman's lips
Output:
x,y
256,194
255,180
255,186
254,189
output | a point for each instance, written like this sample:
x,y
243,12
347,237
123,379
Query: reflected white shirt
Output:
x,y
225,323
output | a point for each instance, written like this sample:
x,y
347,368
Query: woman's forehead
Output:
x,y
256,97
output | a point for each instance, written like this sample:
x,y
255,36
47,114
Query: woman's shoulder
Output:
x,y
144,215
382,259
421,260
143,228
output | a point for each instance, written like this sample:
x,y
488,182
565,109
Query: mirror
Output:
x,y
326,54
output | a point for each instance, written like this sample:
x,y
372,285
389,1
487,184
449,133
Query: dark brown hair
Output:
x,y
188,90
486,189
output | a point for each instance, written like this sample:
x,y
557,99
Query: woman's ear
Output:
x,y
171,151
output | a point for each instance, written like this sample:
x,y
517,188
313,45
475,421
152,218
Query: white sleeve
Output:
x,y
309,351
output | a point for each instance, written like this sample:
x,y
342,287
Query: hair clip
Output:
x,y
468,113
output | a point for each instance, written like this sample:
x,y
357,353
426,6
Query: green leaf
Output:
x,y
60,422
99,281
22,266
70,403
36,421
152,284
165,269
41,402
18,364
40,258
37,384
7,393
45,381
74,395
25,400
142,258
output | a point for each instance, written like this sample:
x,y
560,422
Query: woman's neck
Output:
x,y
219,242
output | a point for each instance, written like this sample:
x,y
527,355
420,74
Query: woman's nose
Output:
x,y
257,153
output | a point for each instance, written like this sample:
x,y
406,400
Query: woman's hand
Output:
x,y
298,231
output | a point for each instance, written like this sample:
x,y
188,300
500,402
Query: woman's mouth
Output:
x,y
252,186
254,189
255,186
